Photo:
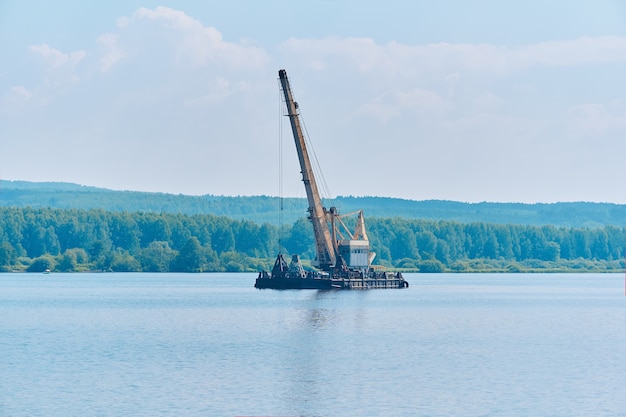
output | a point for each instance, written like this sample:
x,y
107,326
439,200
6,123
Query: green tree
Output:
x,y
581,243
69,260
475,242
234,261
426,244
157,257
403,244
154,227
122,261
192,257
442,253
248,239
67,263
34,239
550,251
431,266
600,245
223,238
407,263
300,239
125,233
179,227
269,240
42,264
8,256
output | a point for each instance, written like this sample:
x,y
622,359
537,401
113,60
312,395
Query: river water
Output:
x,y
212,345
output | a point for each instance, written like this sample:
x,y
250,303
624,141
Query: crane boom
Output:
x,y
345,263
326,256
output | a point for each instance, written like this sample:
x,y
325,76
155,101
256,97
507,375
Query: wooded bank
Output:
x,y
77,240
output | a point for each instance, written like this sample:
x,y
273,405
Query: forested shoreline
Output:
x,y
38,239
265,209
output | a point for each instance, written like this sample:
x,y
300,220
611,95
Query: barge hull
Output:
x,y
329,283
293,283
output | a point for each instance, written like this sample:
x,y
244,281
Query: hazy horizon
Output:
x,y
299,196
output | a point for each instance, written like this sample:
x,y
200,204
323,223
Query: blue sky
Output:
x,y
467,101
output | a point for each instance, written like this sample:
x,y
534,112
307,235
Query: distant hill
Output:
x,y
265,209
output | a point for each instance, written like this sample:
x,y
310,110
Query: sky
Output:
x,y
450,100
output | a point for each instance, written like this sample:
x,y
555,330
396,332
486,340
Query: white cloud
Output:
x,y
219,90
20,93
581,51
597,119
16,98
446,84
59,72
416,102
486,101
364,55
170,90
379,110
60,67
423,101
56,59
167,46
200,45
112,52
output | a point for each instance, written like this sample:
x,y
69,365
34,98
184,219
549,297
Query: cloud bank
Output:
x,y
169,92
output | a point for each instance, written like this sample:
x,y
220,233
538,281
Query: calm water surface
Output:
x,y
212,345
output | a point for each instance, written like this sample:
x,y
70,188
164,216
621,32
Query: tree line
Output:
x,y
261,209
36,239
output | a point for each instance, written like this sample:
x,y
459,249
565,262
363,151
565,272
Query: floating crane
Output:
x,y
343,261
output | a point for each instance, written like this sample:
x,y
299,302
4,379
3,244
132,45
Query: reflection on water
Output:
x,y
316,317
212,345
319,318
320,310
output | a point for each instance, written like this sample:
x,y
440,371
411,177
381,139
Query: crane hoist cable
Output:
x,y
326,195
280,171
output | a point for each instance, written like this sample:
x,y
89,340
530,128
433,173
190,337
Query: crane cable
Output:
x,y
280,171
325,190
316,165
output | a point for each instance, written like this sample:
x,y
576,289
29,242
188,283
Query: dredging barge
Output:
x,y
343,261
